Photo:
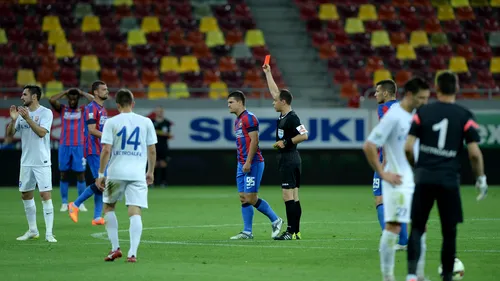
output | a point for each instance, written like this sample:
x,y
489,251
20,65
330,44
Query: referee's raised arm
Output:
x,y
273,88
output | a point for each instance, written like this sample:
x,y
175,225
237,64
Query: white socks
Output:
x,y
30,210
387,252
48,215
421,259
135,234
112,229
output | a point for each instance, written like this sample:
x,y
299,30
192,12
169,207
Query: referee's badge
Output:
x,y
280,133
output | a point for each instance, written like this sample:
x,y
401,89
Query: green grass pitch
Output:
x,y
186,231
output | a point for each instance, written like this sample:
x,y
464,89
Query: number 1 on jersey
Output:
x,y
130,141
442,128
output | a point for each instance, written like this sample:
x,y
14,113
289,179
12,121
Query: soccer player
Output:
x,y
95,117
442,128
397,175
385,93
71,141
250,167
130,139
290,132
34,122
163,133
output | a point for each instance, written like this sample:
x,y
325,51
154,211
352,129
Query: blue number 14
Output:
x,y
133,139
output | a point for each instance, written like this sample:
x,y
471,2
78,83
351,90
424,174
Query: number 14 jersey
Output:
x,y
129,134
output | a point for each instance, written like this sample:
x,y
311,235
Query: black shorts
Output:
x,y
448,200
290,168
162,154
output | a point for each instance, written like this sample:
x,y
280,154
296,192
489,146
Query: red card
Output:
x,y
267,59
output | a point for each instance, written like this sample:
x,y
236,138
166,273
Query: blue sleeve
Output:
x,y
251,123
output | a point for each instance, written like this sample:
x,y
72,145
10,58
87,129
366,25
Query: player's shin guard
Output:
x,y
448,250
64,186
48,215
135,234
291,216
112,229
30,210
80,186
414,249
380,215
86,194
98,204
262,206
298,210
403,235
387,252
247,214
421,259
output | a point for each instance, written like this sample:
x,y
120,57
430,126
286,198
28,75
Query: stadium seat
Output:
x,y
495,65
27,2
354,25
127,24
402,77
241,51
367,12
380,38
208,24
179,90
254,38
82,10
459,3
150,24
25,77
136,37
88,77
458,65
215,38
419,38
218,90
53,88
56,36
465,51
349,89
465,13
157,90
405,52
387,12
202,10
64,49
479,3
169,63
494,40
327,51
91,24
89,63
381,74
398,38
3,37
44,75
438,39
51,23
327,12
445,13
495,3
189,64
123,2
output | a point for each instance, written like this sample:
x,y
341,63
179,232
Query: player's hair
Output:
x,y
238,95
73,92
447,83
415,85
124,97
389,86
286,96
96,85
34,90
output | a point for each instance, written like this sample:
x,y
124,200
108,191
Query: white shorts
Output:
x,y
32,176
397,202
136,192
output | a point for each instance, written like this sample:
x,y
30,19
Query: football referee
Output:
x,y
290,132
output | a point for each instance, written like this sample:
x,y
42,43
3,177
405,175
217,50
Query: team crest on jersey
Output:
x,y
91,115
37,118
281,133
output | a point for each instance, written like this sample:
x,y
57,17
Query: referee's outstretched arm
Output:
x,y
273,88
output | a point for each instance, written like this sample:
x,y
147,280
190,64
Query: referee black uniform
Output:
x,y
441,128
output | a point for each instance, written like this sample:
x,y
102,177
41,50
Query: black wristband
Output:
x,y
287,142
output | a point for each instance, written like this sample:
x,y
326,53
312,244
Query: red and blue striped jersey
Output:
x,y
381,111
72,123
245,123
94,114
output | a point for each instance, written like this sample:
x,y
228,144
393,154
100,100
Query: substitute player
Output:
x,y
290,132
71,141
95,117
385,93
130,139
397,175
250,167
442,128
34,122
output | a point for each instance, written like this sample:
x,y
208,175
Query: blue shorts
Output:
x,y
71,158
249,182
377,185
94,161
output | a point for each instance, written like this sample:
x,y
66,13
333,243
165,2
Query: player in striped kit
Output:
x,y
71,141
95,117
250,167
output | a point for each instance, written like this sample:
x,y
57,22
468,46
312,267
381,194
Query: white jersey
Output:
x,y
391,133
129,134
35,150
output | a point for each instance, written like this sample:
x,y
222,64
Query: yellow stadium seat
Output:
x,y
25,76
56,36
405,52
208,24
437,3
419,38
91,24
458,65
179,90
51,23
90,62
479,3
495,65
150,24
169,63
3,37
64,49
367,12
380,38
123,2
354,25
328,11
381,74
53,88
136,37
254,38
26,2
189,64
445,13
459,3
214,38
157,90
218,90
495,3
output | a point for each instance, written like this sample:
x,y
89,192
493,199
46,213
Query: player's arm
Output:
x,y
105,155
273,88
14,121
472,139
54,101
151,140
91,123
86,95
301,129
45,122
413,134
254,144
